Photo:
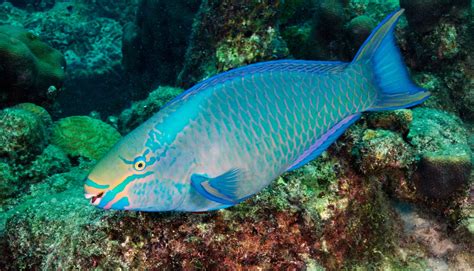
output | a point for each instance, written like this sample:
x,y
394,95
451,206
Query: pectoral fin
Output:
x,y
222,189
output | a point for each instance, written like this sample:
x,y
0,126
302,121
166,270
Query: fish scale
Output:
x,y
292,119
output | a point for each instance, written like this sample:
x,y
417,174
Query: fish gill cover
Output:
x,y
394,192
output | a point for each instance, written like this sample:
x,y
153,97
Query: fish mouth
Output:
x,y
95,199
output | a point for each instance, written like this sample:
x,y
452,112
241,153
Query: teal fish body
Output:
x,y
228,137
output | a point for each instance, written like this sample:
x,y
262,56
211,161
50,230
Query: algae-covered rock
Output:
x,y
441,97
441,141
8,182
383,151
30,68
396,120
227,34
22,135
433,130
140,111
53,160
84,136
332,218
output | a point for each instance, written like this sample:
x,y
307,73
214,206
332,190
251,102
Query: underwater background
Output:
x,y
395,192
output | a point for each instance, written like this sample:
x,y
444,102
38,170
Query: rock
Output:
x,y
329,216
382,152
52,161
84,136
441,141
8,182
29,67
22,135
440,175
140,111
396,120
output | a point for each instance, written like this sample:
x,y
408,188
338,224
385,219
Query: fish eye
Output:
x,y
139,164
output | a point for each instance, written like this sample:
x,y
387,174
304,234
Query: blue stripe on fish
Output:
x,y
121,204
111,194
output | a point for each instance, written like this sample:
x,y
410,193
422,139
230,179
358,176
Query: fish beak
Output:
x,y
88,196
95,199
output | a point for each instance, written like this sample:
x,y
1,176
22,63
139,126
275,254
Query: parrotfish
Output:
x,y
228,137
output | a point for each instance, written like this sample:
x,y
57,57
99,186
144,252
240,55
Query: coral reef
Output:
x,y
59,224
397,120
39,111
441,141
359,29
383,152
84,136
140,111
120,11
25,157
30,68
227,34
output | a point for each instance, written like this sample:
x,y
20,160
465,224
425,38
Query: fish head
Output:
x,y
112,171
131,177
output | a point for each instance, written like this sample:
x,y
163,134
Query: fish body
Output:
x,y
228,137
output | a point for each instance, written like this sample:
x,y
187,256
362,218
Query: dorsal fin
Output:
x,y
303,66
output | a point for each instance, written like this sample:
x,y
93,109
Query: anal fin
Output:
x,y
324,141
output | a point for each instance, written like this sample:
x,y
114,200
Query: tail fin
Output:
x,y
396,90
